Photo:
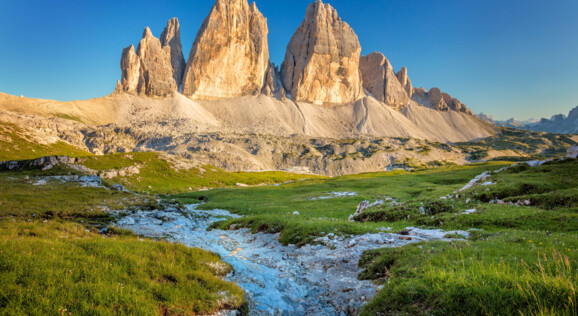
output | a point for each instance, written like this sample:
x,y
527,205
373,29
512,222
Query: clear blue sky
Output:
x,y
503,57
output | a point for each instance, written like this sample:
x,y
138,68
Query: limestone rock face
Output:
x,y
273,85
130,66
404,80
230,55
380,80
171,37
321,64
156,73
438,100
155,69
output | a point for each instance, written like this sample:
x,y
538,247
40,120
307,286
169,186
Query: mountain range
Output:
x,y
559,124
229,106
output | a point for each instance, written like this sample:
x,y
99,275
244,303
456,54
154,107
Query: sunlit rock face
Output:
x,y
404,80
321,64
171,37
155,68
230,56
380,80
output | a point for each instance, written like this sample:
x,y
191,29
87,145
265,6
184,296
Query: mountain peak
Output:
x,y
380,80
321,64
219,65
171,38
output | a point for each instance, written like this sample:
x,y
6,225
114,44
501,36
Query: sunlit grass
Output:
x,y
49,267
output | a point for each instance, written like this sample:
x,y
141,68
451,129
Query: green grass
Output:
x,y
52,257
522,260
20,198
47,267
15,145
160,176
271,208
507,273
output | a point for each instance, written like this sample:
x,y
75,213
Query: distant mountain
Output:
x,y
560,123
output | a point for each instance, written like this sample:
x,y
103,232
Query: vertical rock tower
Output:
x,y
380,80
150,70
230,55
321,64
171,37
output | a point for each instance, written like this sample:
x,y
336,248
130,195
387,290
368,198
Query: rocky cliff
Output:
x,y
230,55
404,80
321,64
437,100
380,80
150,70
171,37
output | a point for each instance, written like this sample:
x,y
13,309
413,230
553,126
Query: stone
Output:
x,y
321,63
171,37
130,66
230,55
155,68
363,205
572,152
156,74
273,85
380,80
404,80
439,101
118,187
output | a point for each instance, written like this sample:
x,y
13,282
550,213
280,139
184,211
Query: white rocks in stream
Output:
x,y
333,195
318,279
474,181
84,181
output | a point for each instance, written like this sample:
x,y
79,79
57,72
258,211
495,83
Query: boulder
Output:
x,y
230,55
321,64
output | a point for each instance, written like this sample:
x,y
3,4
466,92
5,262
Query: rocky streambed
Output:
x,y
316,279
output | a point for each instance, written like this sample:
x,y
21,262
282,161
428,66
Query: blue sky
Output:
x,y
502,57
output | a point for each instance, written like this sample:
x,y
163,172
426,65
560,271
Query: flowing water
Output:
x,y
280,280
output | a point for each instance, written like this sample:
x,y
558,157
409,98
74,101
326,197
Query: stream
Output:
x,y
316,279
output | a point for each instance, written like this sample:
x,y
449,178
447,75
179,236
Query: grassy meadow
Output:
x,y
54,260
519,260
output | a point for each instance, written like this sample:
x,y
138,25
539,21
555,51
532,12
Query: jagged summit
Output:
x,y
380,80
437,100
404,80
171,37
230,55
150,71
321,64
230,59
